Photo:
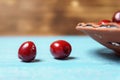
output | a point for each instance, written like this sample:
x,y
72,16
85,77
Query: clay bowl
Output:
x,y
107,34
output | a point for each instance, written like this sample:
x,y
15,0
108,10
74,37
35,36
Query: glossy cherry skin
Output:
x,y
27,51
105,21
116,17
60,49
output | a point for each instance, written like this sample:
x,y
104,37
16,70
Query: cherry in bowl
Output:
x,y
116,17
105,21
60,49
27,51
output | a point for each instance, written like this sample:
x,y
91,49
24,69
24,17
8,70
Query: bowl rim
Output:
x,y
82,26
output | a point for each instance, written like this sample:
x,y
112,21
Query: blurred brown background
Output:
x,y
52,17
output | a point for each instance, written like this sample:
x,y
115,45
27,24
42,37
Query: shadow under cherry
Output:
x,y
34,61
68,58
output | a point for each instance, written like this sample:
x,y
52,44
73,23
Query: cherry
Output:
x,y
116,17
27,51
60,49
104,22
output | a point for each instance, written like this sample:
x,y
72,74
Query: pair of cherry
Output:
x,y
115,18
60,49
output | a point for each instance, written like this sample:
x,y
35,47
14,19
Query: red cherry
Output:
x,y
104,21
60,49
116,17
27,51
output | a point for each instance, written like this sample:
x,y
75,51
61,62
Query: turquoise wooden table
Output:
x,y
88,61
